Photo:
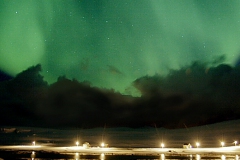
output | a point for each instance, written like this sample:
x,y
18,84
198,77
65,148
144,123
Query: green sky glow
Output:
x,y
113,42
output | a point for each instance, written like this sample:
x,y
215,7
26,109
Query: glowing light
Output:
x,y
33,155
77,143
235,142
198,157
102,144
222,144
102,156
197,144
162,156
223,157
77,156
162,145
236,157
190,156
33,143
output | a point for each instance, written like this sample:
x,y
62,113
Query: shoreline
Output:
x,y
233,150
73,152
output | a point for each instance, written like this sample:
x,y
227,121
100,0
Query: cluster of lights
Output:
x,y
103,145
198,144
163,145
222,143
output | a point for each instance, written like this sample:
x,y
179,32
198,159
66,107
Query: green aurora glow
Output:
x,y
113,42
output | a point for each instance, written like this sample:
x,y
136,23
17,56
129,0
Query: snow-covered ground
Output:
x,y
209,136
126,141
126,151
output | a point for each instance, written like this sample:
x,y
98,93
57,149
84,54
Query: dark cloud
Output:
x,y
20,95
4,76
196,94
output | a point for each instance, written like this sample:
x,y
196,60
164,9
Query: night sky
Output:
x,y
110,42
166,55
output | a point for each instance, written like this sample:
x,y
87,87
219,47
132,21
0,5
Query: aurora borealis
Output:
x,y
131,63
111,43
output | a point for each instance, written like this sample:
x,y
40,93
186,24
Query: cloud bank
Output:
x,y
196,94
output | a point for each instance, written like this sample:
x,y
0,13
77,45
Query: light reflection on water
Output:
x,y
162,156
102,156
77,157
198,157
223,157
33,155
